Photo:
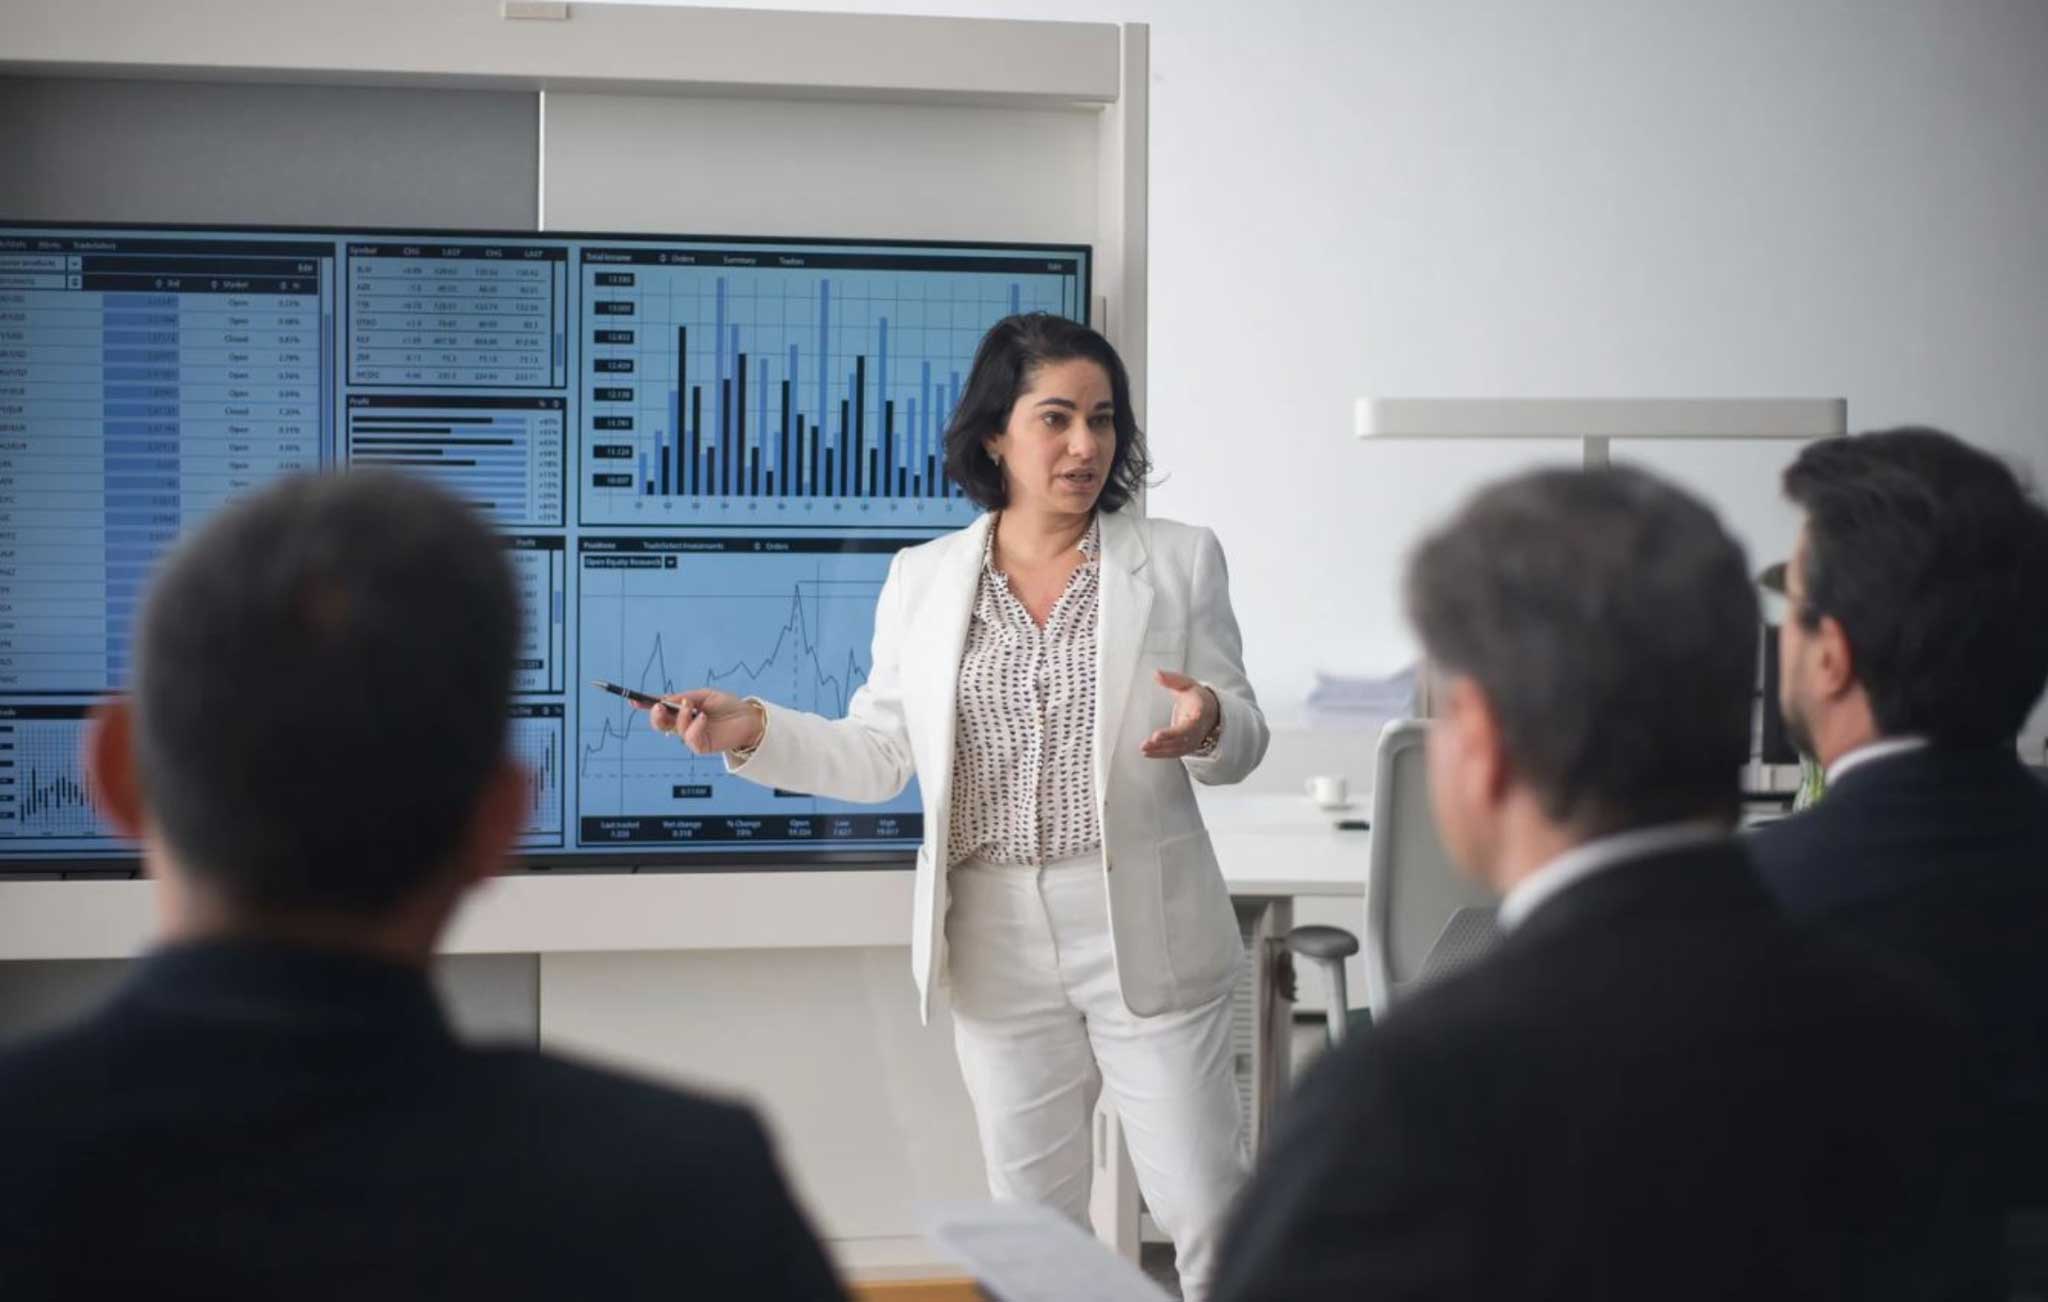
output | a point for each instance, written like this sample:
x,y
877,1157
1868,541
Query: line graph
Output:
x,y
789,620
798,652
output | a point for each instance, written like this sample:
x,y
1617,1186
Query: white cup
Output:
x,y
1329,790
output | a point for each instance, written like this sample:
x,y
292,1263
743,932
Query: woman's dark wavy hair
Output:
x,y
1010,353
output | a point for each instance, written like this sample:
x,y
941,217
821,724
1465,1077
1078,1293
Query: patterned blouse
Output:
x,y
1024,741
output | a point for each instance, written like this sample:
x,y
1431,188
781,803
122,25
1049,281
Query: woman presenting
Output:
x,y
1054,673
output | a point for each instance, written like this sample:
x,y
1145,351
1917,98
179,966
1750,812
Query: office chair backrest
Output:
x,y
1412,891
1465,939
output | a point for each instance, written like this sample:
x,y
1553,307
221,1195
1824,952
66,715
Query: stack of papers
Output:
x,y
1360,703
1021,1252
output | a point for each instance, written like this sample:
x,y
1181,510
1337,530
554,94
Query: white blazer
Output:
x,y
1164,604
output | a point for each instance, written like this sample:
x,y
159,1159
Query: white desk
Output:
x,y
1284,845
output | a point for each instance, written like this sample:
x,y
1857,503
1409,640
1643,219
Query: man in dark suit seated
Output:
x,y
1915,642
273,1106
1652,1087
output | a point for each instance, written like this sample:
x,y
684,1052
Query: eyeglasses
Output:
x,y
1771,578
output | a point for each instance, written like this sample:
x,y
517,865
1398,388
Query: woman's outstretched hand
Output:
x,y
1195,708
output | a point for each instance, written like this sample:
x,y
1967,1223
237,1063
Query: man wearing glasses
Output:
x,y
1915,644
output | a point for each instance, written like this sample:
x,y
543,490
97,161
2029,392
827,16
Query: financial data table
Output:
x,y
457,315
139,390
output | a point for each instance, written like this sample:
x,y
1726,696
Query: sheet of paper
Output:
x,y
1021,1252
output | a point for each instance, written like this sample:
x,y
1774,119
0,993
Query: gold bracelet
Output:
x,y
1207,747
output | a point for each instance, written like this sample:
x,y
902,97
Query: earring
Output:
x,y
996,457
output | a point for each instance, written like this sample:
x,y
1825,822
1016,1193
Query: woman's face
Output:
x,y
1061,440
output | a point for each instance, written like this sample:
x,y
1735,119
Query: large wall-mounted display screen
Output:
x,y
701,451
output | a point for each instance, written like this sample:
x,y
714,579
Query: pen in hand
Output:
x,y
641,699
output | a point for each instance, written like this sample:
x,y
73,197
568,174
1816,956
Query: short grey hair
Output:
x,y
1610,620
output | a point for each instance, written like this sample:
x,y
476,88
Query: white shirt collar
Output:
x,y
1582,861
1875,750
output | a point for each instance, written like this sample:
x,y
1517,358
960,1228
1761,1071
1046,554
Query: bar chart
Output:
x,y
535,741
808,388
503,454
43,791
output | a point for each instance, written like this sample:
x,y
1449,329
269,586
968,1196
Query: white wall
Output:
x,y
637,163
1484,197
170,151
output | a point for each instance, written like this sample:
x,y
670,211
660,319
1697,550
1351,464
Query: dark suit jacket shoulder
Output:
x,y
1940,857
259,1122
1651,1088
1925,825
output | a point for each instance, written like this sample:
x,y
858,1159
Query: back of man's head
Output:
x,y
1610,623
1933,558
321,681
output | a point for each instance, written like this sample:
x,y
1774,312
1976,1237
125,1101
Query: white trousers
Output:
x,y
1041,1028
